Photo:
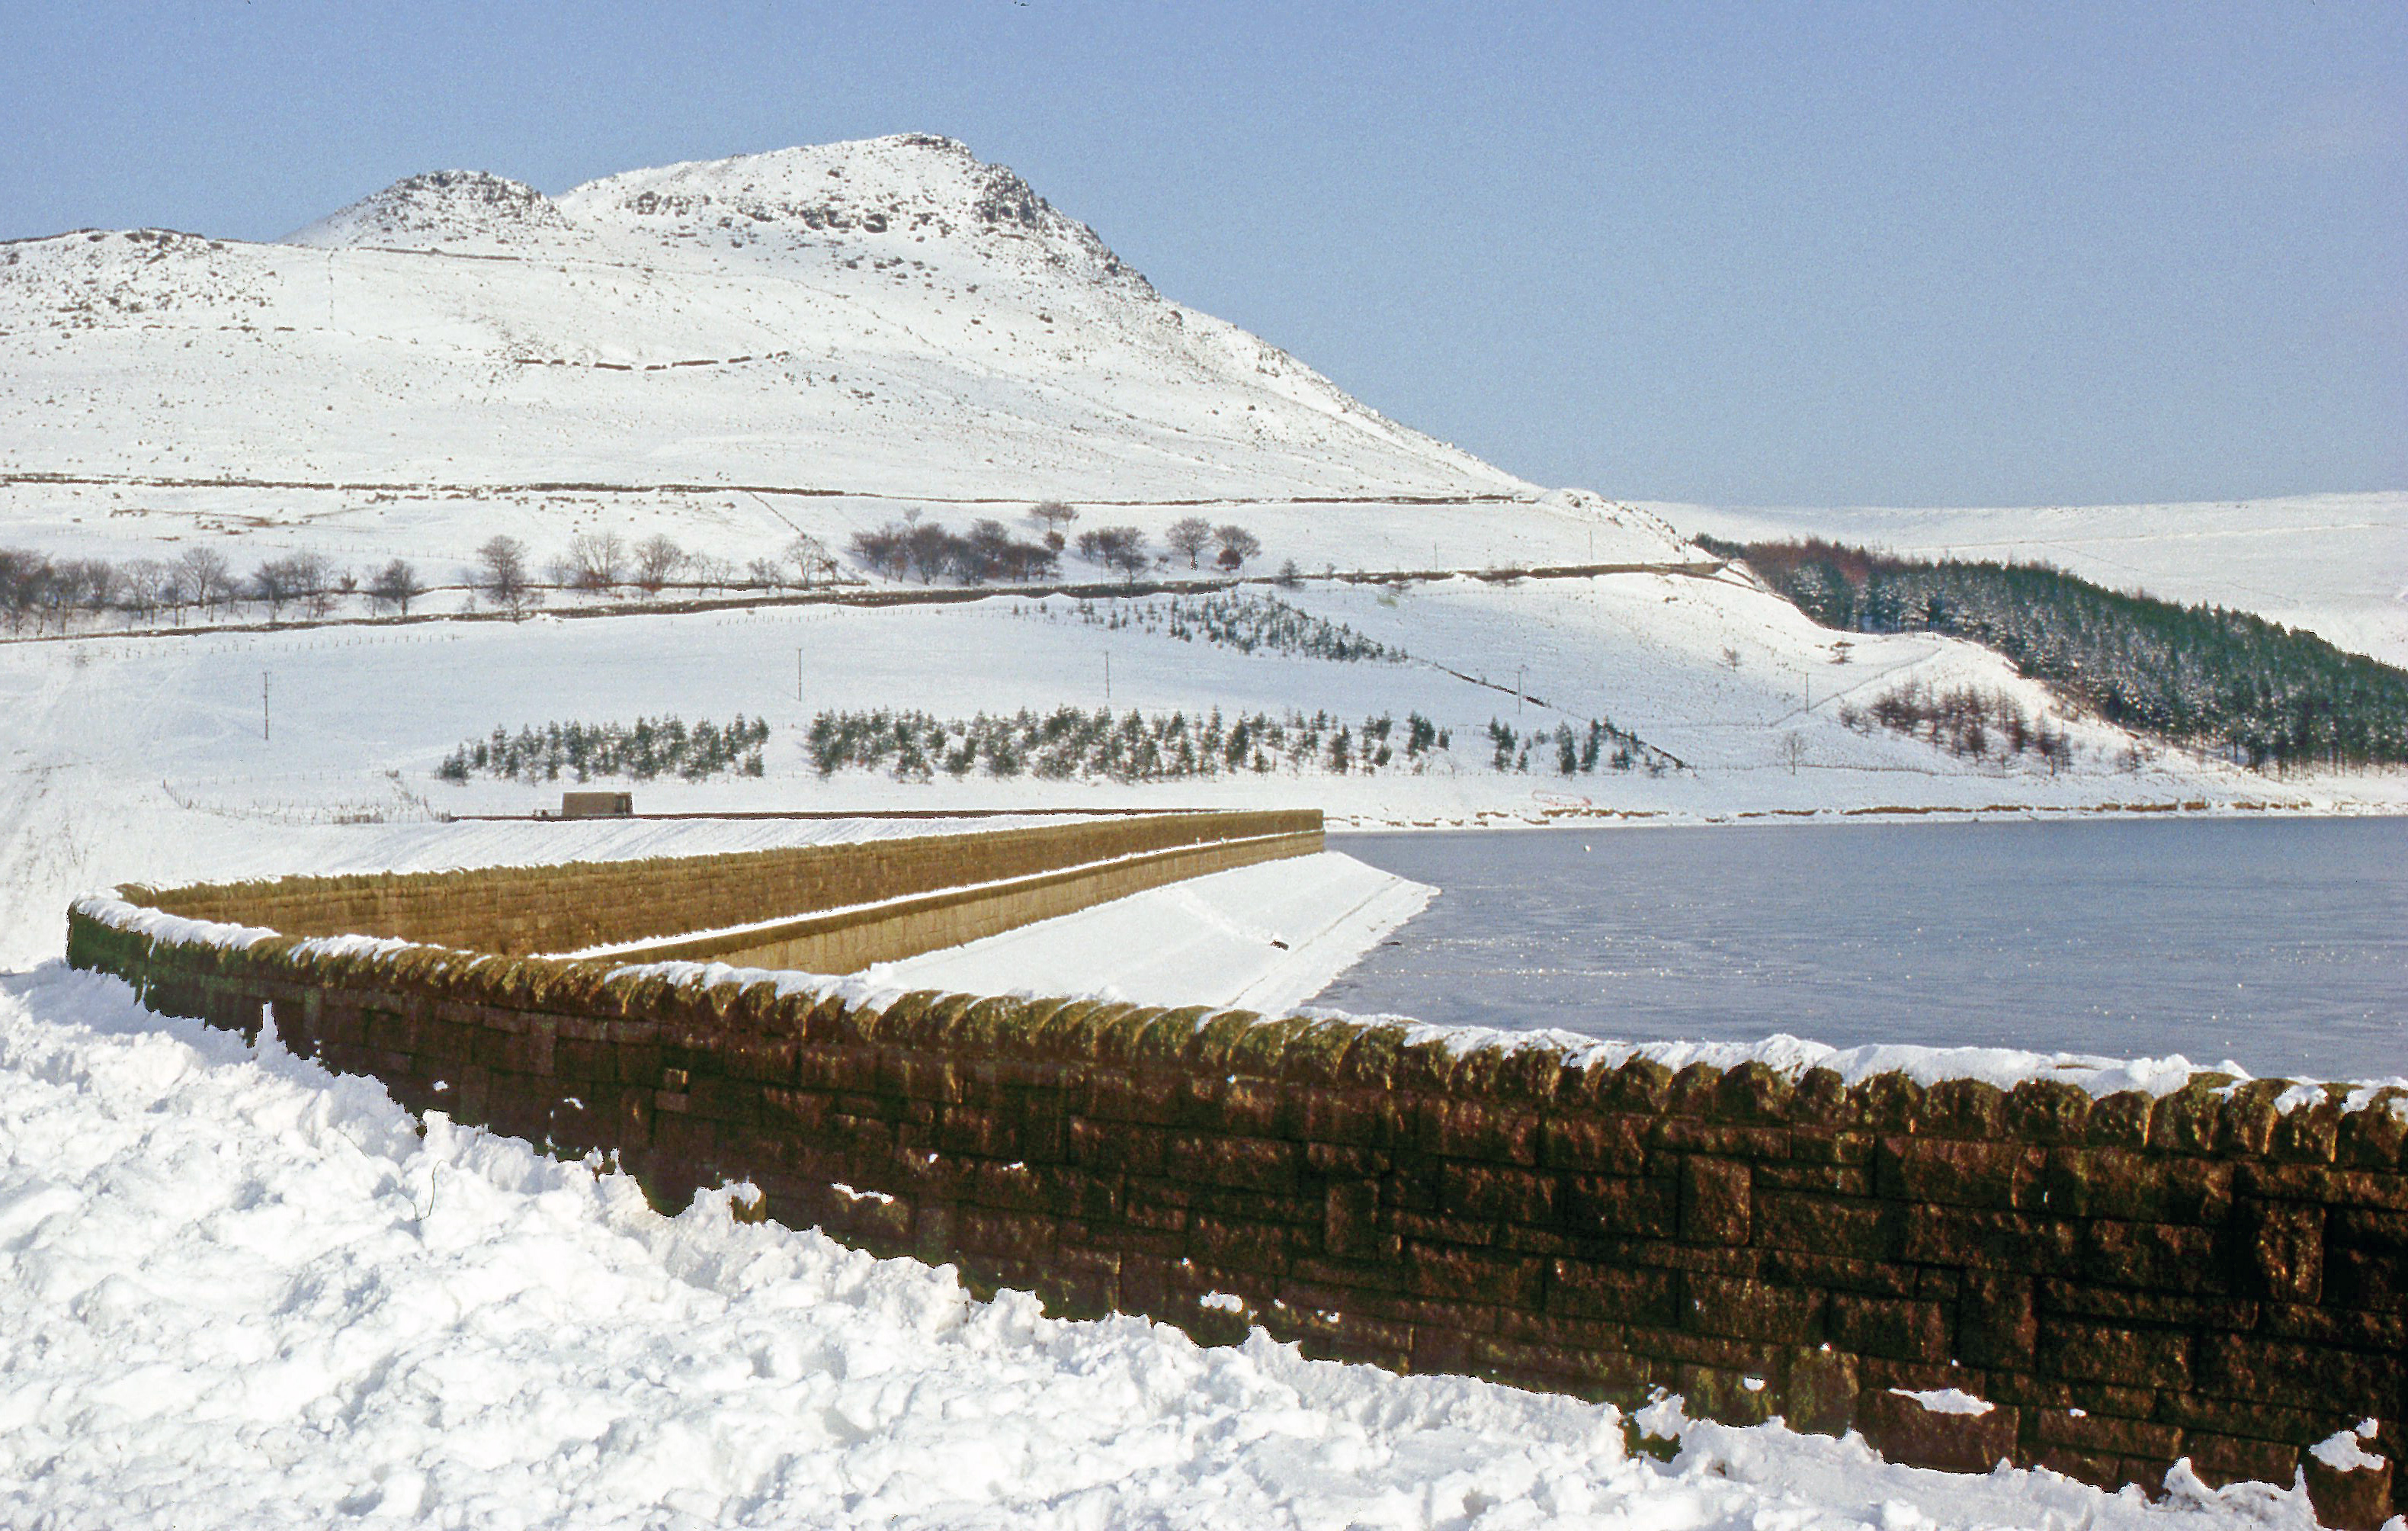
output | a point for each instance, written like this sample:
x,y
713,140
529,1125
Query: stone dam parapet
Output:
x,y
2102,1285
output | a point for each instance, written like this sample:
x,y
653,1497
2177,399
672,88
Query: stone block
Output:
x,y
2105,1435
1120,1147
1905,1430
2135,1187
1899,1328
2121,1121
1261,1247
1621,1206
2151,1309
2047,1111
2280,1247
1844,1227
1889,1103
2373,1137
1614,1145
1727,1396
1818,1391
1753,1092
1873,1277
2293,1375
1964,1108
1251,1163
2160,1256
1996,1325
1438,1228
1742,1308
1815,1178
1501,1194
2234,1459
1715,1201
1476,1129
1988,1241
1352,1221
1997,1176
1435,1270
1579,1289
2353,1498
1364,1118
2097,1353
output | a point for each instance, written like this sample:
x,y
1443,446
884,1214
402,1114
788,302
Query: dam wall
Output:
x,y
1964,1272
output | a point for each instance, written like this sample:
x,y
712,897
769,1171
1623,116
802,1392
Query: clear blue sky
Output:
x,y
1919,254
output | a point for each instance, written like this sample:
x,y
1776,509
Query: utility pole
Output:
x,y
1108,680
1518,670
798,674
263,707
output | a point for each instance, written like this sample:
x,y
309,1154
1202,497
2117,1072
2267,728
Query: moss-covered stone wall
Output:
x,y
569,907
2124,1281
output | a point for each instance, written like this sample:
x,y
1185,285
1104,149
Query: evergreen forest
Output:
x,y
2201,678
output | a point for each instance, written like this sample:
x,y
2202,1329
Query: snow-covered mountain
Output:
x,y
891,316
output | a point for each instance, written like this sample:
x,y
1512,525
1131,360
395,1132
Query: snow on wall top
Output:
x,y
1790,1057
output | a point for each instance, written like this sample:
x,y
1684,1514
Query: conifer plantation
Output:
x,y
2201,678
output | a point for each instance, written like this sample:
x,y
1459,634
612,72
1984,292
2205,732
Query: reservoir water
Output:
x,y
2281,945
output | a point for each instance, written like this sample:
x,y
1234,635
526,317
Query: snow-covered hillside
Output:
x,y
2336,565
888,317
819,341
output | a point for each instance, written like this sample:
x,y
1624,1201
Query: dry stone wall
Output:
x,y
2218,1274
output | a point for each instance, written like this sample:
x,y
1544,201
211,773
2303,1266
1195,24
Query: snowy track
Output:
x,y
234,1291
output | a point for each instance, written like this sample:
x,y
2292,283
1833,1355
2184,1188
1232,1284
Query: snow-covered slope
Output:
x,y
2334,564
889,316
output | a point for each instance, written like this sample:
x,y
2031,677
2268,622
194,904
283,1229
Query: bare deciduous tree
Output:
x,y
1052,514
1121,548
396,584
208,582
1237,545
597,560
812,560
658,558
885,551
143,586
273,584
314,583
501,575
930,548
1190,535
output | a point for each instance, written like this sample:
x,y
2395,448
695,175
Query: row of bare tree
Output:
x,y
43,593
931,551
40,592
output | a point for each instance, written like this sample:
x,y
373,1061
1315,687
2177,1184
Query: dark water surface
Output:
x,y
2279,944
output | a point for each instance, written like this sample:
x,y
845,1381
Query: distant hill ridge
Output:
x,y
889,315
912,184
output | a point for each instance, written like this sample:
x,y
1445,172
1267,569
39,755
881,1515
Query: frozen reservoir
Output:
x,y
2279,944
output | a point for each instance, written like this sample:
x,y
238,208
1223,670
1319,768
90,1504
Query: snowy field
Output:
x,y
240,1293
141,759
